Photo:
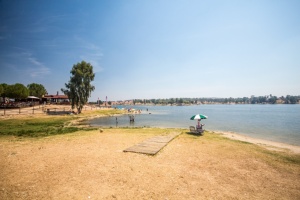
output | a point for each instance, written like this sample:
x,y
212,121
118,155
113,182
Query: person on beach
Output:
x,y
199,125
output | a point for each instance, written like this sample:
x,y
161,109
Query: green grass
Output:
x,y
107,112
275,156
36,127
51,125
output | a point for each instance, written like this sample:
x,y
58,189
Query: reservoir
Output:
x,y
279,123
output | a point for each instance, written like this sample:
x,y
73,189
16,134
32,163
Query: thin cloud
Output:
x,y
92,53
47,24
31,66
38,73
39,70
94,60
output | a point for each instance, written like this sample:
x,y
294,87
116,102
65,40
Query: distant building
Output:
x,y
56,99
279,101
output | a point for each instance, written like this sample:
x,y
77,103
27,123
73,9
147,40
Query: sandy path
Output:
x,y
92,165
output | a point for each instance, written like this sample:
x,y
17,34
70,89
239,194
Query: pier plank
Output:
x,y
152,145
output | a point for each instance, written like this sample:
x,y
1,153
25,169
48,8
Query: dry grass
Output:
x,y
92,165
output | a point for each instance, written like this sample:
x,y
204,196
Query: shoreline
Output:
x,y
270,145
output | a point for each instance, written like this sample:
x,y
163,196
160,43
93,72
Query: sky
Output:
x,y
154,48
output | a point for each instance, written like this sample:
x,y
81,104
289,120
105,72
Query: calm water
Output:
x,y
279,123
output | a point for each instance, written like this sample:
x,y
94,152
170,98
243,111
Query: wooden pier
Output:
x,y
152,145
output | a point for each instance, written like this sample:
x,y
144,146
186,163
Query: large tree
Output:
x,y
1,90
4,87
37,90
79,88
16,91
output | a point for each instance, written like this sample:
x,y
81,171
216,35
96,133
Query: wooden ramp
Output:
x,y
153,145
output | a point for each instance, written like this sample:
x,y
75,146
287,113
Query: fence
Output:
x,y
42,109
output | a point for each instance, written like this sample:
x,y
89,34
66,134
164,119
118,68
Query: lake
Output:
x,y
279,123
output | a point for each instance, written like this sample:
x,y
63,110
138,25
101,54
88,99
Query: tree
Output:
x,y
171,101
291,99
16,91
37,90
4,87
79,88
1,90
272,99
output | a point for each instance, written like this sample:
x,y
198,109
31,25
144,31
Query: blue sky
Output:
x,y
154,49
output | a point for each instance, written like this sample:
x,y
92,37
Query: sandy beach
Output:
x,y
40,112
276,146
92,165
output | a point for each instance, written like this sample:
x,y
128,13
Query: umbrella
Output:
x,y
198,117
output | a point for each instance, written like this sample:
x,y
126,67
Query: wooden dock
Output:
x,y
152,145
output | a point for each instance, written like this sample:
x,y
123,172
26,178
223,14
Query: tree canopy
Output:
x,y
79,87
17,91
37,90
1,90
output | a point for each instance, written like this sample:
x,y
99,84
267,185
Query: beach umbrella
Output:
x,y
199,117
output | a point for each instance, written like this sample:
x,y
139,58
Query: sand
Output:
x,y
277,146
92,165
39,112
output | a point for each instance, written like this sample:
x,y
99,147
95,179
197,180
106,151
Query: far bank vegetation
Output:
x,y
267,99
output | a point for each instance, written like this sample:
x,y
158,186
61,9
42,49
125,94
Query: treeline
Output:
x,y
19,91
268,99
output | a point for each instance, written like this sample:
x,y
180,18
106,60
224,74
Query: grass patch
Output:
x,y
36,127
274,156
39,127
49,125
106,112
